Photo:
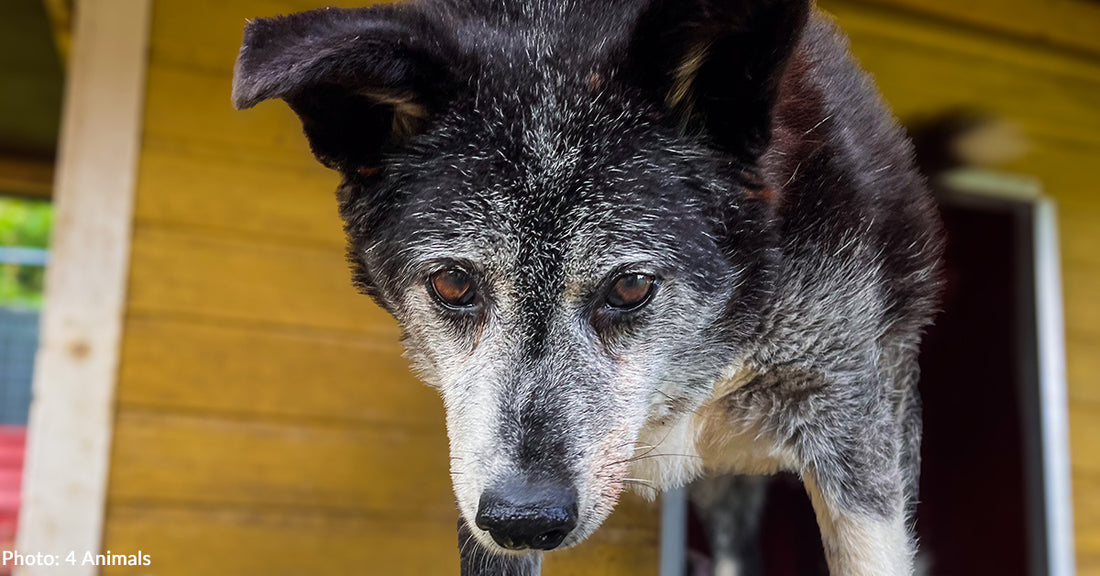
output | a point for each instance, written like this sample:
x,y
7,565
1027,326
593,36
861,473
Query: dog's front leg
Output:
x,y
858,543
858,489
477,561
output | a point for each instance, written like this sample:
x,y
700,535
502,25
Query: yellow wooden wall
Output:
x,y
266,421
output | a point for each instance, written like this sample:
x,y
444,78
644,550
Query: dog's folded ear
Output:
x,y
361,80
717,64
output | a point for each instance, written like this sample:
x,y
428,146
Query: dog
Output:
x,y
630,242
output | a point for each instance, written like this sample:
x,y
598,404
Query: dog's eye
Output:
x,y
454,288
630,291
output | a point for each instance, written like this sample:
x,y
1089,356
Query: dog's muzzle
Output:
x,y
519,514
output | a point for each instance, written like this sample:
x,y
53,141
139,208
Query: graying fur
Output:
x,y
795,246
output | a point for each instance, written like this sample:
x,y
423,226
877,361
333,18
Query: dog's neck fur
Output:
x,y
711,439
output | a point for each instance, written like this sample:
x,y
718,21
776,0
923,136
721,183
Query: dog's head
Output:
x,y
560,203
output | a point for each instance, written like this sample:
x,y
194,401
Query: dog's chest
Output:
x,y
713,439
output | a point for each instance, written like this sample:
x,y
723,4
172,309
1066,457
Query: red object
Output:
x,y
13,441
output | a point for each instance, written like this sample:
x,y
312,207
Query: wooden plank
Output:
x,y
188,540
861,21
1088,557
637,555
1086,497
1067,171
205,460
1084,429
179,273
1073,24
922,70
1079,234
69,433
1083,368
192,106
292,204
917,70
261,464
1081,283
292,373
222,23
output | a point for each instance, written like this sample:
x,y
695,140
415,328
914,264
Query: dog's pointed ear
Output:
x,y
716,65
361,80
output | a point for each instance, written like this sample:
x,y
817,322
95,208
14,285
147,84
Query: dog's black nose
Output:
x,y
520,514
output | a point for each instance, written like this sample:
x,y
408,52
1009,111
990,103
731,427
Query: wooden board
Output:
x,y
1079,230
1081,284
1074,24
1067,24
1082,368
1086,490
190,107
223,24
207,460
188,540
293,373
207,191
923,69
1084,425
178,273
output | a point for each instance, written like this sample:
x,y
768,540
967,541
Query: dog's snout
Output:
x,y
520,514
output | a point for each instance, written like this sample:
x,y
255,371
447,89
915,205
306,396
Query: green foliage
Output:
x,y
23,223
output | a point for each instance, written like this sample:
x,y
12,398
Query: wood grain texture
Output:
x,y
207,191
1083,368
291,373
1087,517
1084,424
272,463
922,68
209,460
190,107
188,272
190,540
1067,24
1080,235
1073,24
1081,284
